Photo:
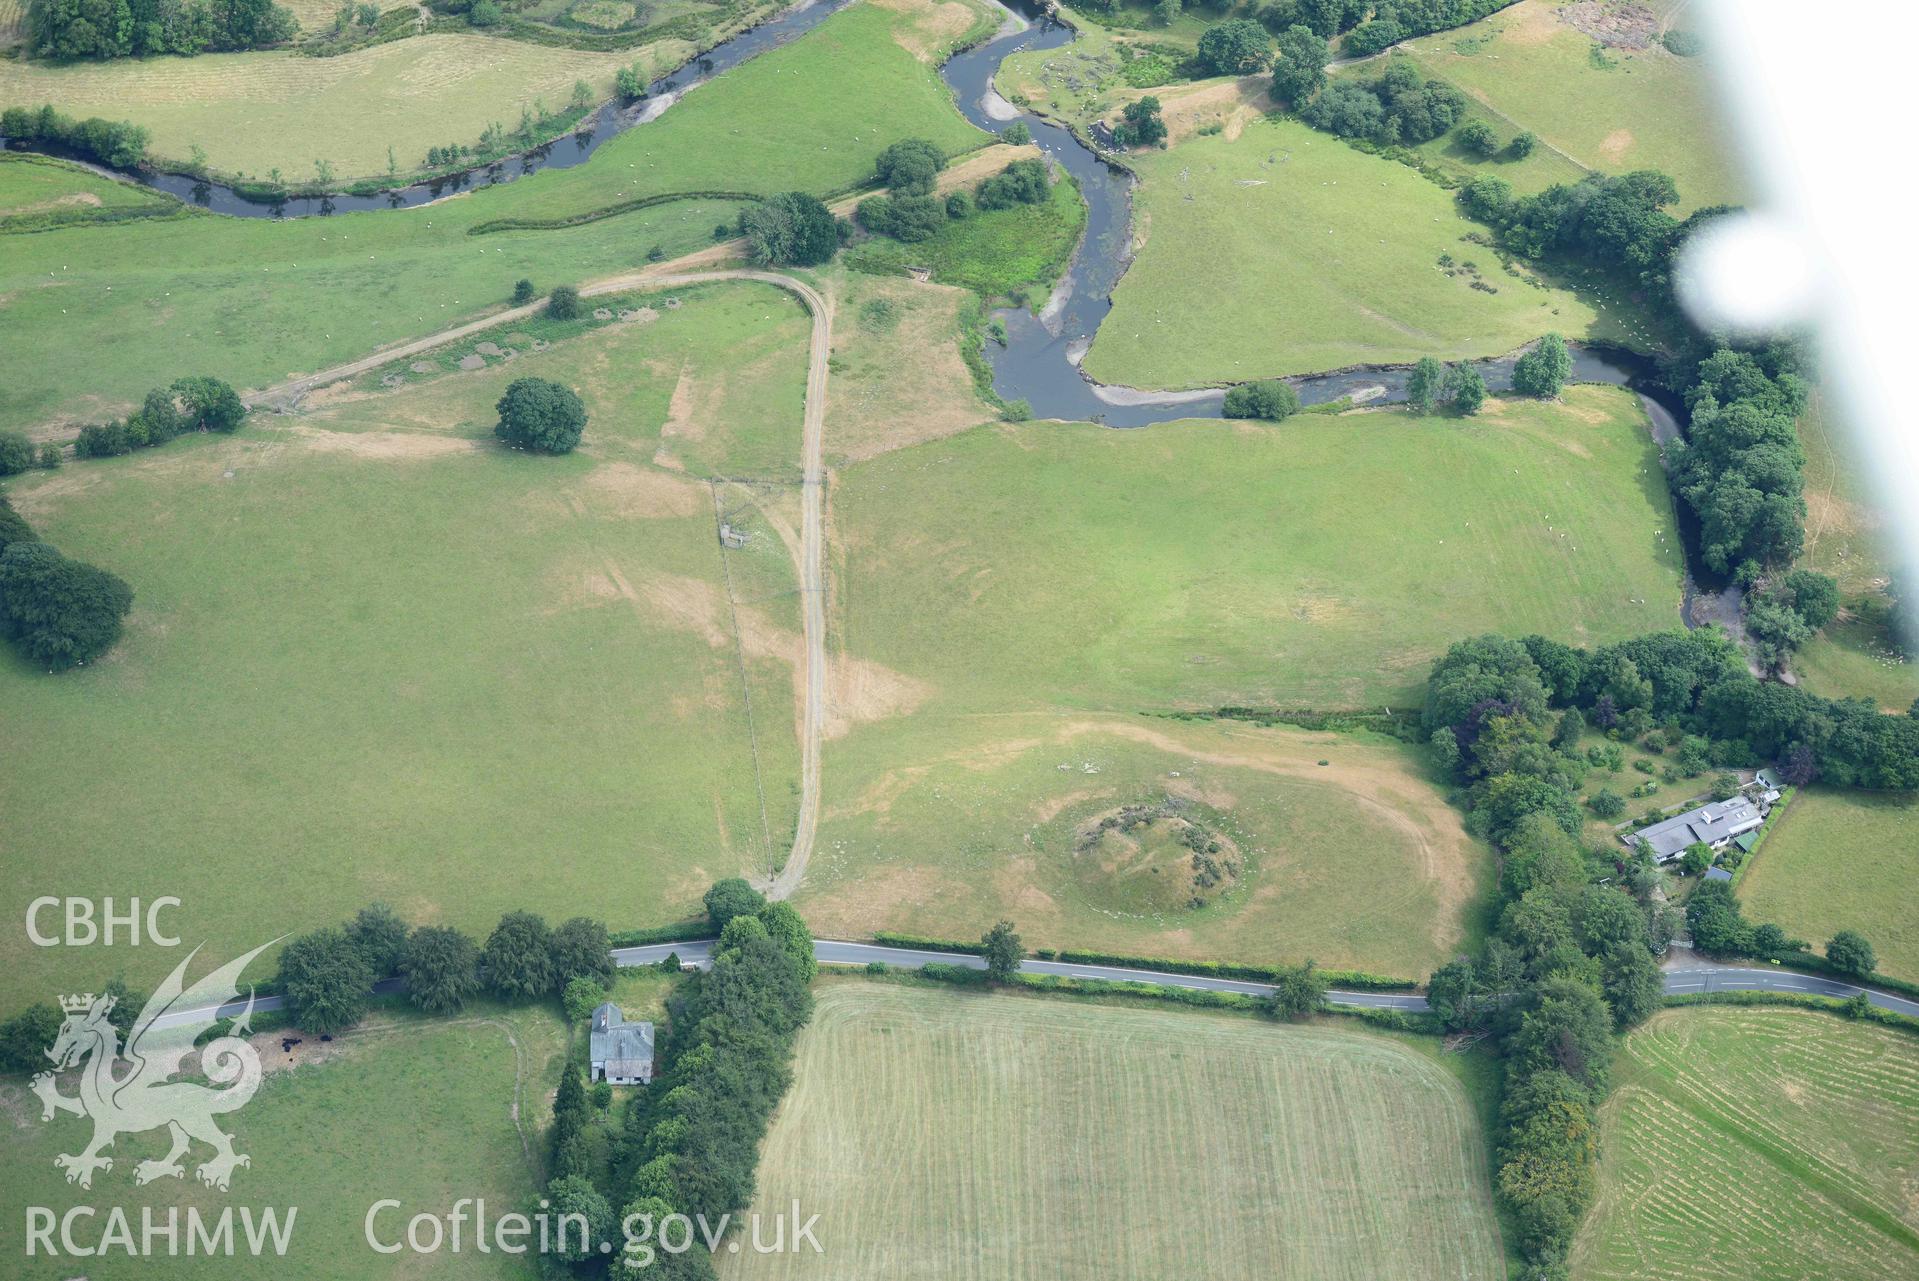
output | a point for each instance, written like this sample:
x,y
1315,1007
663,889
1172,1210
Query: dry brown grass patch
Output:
x,y
932,27
901,385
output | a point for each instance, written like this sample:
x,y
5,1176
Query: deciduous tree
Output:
x,y
539,415
326,980
1002,949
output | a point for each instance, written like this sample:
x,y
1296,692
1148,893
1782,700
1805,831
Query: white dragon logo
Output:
x,y
136,1093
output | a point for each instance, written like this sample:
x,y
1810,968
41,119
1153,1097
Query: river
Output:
x,y
562,153
1039,362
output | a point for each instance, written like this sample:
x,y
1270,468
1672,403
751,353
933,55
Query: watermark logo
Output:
x,y
130,1089
87,922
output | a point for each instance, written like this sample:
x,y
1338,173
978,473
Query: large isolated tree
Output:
x,y
61,613
1271,400
540,415
326,980
442,969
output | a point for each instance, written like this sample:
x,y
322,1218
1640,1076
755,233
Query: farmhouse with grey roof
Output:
x,y
1715,826
618,1051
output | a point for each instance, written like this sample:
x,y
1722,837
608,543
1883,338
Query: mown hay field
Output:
x,y
1612,111
963,1136
1761,1143
13,22
1843,860
412,666
1285,251
255,112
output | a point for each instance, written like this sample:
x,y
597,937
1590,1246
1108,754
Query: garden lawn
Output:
x,y
96,316
1843,860
375,656
423,1111
1323,562
1285,251
1122,1142
1756,1142
1641,109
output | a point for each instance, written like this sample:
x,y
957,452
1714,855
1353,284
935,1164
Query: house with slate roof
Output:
x,y
618,1051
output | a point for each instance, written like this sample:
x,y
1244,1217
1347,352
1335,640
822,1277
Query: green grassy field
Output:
x,y
1286,251
993,252
1757,1143
1645,109
1858,655
1120,1142
1843,860
34,184
1535,173
411,666
941,825
255,300
1228,564
1212,564
333,1129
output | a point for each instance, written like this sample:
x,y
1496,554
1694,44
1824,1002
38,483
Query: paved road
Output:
x,y
1733,978
1696,978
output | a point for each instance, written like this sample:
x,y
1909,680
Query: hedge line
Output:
x,y
1228,970
692,931
961,976
922,944
1203,969
603,212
